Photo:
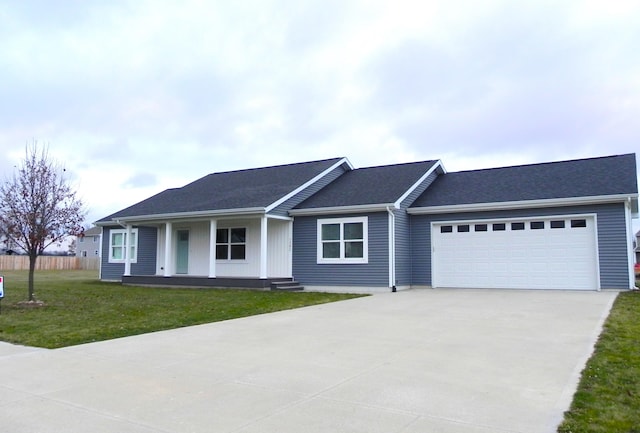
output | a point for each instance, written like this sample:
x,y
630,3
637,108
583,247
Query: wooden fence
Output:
x,y
50,263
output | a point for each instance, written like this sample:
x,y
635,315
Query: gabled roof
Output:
x,y
249,190
594,177
382,185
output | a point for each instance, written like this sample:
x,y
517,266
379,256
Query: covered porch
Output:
x,y
228,251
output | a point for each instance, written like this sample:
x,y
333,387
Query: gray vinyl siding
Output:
x,y
403,234
284,208
612,242
147,251
307,271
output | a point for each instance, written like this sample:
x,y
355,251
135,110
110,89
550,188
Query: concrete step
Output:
x,y
286,286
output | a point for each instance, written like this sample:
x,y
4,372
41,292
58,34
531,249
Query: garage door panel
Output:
x,y
544,253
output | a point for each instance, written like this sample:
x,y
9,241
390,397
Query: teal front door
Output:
x,y
182,252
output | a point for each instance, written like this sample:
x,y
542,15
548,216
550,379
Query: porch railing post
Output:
x,y
263,247
167,248
127,252
213,228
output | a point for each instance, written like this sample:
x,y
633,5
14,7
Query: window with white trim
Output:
x,y
343,240
231,243
117,242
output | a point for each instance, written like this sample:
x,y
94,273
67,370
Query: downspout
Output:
x,y
392,249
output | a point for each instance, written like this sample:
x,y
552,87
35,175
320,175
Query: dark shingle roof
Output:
x,y
241,189
592,177
371,185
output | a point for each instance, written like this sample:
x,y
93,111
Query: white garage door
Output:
x,y
541,253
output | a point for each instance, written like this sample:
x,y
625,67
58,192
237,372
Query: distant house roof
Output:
x,y
241,189
593,177
93,231
368,186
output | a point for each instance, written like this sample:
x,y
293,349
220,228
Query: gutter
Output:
x,y
184,215
521,204
360,208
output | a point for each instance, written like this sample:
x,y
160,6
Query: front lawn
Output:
x,y
80,309
608,396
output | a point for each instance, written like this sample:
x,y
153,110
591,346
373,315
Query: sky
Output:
x,y
134,97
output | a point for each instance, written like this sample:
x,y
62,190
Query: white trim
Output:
x,y
436,165
307,184
279,217
213,229
472,207
186,215
362,208
110,258
342,260
392,247
168,250
630,238
263,247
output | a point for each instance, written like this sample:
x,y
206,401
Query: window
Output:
x,y
480,227
517,226
536,225
231,244
446,229
84,254
463,228
343,240
578,223
557,224
499,227
117,242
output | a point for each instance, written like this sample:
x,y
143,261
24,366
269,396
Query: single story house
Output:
x,y
330,226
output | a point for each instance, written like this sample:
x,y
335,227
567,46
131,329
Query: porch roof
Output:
x,y
241,191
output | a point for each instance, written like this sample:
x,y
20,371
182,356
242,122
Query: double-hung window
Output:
x,y
117,245
343,240
231,244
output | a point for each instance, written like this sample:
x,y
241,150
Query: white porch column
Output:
x,y
263,247
168,254
213,227
127,251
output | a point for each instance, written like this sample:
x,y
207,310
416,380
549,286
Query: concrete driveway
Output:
x,y
411,362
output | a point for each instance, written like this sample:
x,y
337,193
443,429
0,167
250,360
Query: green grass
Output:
x,y
608,395
80,309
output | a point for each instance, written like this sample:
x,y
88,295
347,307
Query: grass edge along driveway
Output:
x,y
608,396
80,309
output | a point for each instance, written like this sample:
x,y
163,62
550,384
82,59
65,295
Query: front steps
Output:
x,y
286,286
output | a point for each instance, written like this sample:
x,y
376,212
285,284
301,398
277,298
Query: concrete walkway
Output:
x,y
419,361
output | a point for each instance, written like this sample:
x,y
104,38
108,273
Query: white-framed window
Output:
x,y
343,240
231,243
117,242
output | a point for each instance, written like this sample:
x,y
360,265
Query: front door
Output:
x,y
182,252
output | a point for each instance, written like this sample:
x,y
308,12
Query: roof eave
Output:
x,y
436,165
183,215
377,207
308,183
475,207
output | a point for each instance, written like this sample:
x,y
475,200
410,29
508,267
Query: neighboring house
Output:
x,y
559,225
88,244
637,245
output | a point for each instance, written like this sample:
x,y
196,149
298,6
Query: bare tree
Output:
x,y
38,207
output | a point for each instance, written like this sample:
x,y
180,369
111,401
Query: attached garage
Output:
x,y
550,252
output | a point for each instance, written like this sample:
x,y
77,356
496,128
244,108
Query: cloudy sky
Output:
x,y
134,97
